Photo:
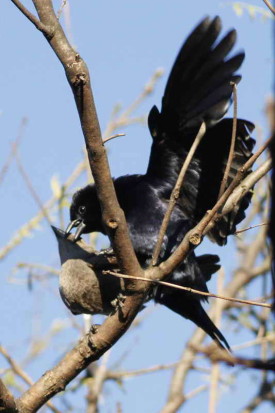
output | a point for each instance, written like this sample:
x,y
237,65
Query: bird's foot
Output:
x,y
118,302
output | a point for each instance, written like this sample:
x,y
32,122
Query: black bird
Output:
x,y
198,89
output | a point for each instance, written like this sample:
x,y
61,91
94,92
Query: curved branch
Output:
x,y
90,348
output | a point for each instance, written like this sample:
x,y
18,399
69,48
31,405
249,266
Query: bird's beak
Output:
x,y
76,223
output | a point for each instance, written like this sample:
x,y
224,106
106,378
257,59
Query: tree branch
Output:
x,y
7,402
20,373
32,18
242,277
241,361
232,145
269,5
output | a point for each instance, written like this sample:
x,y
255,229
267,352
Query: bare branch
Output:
x,y
190,290
266,393
19,372
7,402
95,390
117,135
40,26
90,348
115,375
215,369
15,367
233,140
31,188
241,361
14,148
251,227
269,5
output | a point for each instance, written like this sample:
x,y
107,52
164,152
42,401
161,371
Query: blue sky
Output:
x,y
123,43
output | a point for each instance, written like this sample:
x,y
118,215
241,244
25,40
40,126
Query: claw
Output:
x,y
118,302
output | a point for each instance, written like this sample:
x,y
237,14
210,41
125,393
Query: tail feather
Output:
x,y
190,307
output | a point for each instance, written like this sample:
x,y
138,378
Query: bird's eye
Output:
x,y
82,209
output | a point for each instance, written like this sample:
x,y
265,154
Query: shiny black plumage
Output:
x,y
198,89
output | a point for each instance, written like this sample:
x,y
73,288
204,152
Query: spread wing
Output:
x,y
199,89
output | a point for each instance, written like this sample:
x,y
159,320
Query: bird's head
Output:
x,y
85,212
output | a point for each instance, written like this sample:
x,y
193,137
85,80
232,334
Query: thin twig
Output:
x,y
196,391
147,90
15,367
251,227
269,5
14,147
39,267
270,338
38,24
31,188
190,290
24,376
7,402
95,388
58,14
215,369
124,119
117,135
245,186
233,140
229,359
176,192
33,223
265,393
175,403
238,178
115,375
